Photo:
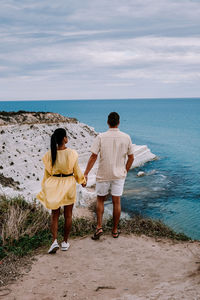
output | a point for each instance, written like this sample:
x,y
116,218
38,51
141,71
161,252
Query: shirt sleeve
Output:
x,y
80,178
130,147
96,145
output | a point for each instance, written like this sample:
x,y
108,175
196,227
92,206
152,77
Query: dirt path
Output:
x,y
124,269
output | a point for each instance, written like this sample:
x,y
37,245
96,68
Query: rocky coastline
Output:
x,y
25,138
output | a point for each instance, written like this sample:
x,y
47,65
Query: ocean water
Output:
x,y
170,191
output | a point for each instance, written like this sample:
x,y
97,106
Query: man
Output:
x,y
114,147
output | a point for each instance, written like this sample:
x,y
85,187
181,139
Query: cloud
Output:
x,y
120,45
163,76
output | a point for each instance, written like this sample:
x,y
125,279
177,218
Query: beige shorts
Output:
x,y
115,187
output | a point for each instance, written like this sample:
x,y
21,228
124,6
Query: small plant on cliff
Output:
x,y
20,223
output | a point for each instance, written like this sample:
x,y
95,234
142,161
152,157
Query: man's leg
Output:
x,y
100,210
101,189
116,212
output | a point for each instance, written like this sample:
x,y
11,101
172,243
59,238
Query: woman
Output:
x,y
59,184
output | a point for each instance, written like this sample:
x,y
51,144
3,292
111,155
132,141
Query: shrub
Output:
x,y
19,218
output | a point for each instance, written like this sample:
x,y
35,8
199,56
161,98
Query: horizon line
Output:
x,y
103,99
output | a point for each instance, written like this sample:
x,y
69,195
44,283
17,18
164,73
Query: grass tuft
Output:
x,y
23,225
149,227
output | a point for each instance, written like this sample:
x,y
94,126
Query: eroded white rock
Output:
x,y
24,145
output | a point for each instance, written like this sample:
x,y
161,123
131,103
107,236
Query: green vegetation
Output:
x,y
25,226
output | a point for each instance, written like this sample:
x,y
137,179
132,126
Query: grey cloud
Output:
x,y
90,44
158,16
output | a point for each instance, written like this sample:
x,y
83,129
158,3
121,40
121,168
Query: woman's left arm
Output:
x,y
80,178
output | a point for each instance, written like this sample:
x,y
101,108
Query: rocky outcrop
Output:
x,y
9,182
22,148
28,117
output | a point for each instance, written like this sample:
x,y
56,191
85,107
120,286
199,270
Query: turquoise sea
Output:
x,y
171,129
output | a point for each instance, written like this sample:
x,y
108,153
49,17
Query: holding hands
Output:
x,y
86,178
90,164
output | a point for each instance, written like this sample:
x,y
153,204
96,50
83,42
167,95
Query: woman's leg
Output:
x,y
68,220
54,222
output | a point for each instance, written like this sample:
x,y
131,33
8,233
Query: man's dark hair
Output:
x,y
113,119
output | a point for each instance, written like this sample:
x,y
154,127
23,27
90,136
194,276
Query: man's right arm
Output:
x,y
95,150
90,164
130,155
129,162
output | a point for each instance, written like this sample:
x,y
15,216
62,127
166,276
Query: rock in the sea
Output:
x,y
141,173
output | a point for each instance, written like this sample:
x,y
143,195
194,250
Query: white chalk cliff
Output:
x,y
23,143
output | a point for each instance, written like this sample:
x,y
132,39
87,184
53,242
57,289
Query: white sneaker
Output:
x,y
54,247
65,246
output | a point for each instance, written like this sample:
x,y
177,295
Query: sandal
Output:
x,y
97,234
116,234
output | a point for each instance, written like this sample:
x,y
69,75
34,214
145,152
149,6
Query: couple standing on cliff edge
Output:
x,y
62,172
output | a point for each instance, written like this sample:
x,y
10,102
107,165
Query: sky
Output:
x,y
99,49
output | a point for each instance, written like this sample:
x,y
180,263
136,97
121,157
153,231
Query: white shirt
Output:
x,y
113,147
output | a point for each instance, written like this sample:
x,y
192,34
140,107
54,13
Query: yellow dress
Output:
x,y
60,191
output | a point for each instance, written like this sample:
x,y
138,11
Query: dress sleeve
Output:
x,y
45,177
47,162
80,178
96,145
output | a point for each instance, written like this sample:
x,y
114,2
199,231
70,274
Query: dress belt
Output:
x,y
63,175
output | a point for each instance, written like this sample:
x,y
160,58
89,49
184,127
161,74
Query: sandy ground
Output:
x,y
124,269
